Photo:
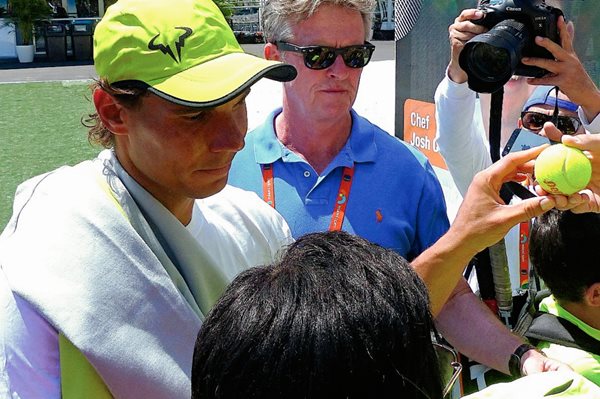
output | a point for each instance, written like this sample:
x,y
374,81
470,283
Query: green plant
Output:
x,y
24,13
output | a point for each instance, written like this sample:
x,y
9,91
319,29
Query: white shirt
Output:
x,y
234,226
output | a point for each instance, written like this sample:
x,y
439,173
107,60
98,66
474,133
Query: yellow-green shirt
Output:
x,y
582,362
552,384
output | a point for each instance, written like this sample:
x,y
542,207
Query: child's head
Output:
x,y
565,251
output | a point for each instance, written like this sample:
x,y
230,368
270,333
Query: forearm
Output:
x,y
482,220
475,331
591,121
441,267
590,104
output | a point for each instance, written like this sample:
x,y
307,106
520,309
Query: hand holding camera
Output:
x,y
491,58
558,64
459,33
566,71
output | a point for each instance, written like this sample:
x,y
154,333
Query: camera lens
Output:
x,y
488,62
490,59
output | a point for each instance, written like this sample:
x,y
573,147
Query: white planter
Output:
x,y
25,53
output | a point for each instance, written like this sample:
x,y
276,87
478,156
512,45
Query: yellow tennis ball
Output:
x,y
562,170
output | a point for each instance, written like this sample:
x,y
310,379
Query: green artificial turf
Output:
x,y
40,129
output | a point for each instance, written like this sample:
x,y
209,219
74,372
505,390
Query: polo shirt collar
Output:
x,y
359,148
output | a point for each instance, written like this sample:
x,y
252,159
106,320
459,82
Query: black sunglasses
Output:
x,y
534,121
321,57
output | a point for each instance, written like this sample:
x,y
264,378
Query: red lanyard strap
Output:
x,y
341,199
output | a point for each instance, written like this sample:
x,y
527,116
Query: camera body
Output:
x,y
539,18
513,26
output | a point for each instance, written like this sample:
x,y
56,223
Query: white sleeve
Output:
x,y
29,359
460,133
592,127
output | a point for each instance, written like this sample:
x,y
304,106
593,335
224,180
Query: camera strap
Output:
x,y
496,123
491,268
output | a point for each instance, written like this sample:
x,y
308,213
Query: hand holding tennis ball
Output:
x,y
562,170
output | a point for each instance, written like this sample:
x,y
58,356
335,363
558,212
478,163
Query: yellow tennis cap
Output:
x,y
183,50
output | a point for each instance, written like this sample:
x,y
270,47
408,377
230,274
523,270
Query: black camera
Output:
x,y
491,58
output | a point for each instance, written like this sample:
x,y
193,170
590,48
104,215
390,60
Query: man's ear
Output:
x,y
592,295
111,113
520,123
271,52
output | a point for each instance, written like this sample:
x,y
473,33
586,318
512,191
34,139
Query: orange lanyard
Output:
x,y
268,184
341,199
524,255
524,250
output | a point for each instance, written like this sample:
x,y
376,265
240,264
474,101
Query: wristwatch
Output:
x,y
514,363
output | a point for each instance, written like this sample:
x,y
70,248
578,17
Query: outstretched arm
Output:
x,y
482,220
470,327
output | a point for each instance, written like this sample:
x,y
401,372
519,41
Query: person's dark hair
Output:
x,y
129,96
563,252
336,317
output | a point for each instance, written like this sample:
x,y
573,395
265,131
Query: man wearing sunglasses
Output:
x,y
460,130
546,105
323,167
318,162
566,121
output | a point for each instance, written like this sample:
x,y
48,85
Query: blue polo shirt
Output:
x,y
395,200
